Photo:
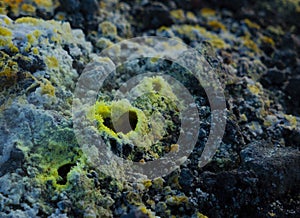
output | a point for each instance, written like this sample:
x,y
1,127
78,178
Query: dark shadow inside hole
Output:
x,y
108,123
63,172
133,119
122,124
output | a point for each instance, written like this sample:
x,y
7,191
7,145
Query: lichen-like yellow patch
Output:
x,y
191,16
5,32
60,16
10,69
4,42
14,49
178,14
35,51
2,10
28,8
44,3
51,157
108,29
174,148
104,43
31,20
200,215
115,115
56,39
251,24
142,124
216,25
52,62
7,42
256,88
207,12
47,88
155,84
249,43
276,30
292,120
28,46
13,5
243,117
177,200
46,85
147,183
147,212
7,20
36,33
191,32
267,40
33,37
163,28
30,38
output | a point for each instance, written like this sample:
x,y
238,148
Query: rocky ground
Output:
x,y
253,46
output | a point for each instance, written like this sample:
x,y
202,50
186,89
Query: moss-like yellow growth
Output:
x,y
8,69
36,33
147,183
28,8
216,25
7,20
13,5
191,32
276,30
251,24
5,42
44,3
249,43
255,89
47,88
30,38
200,215
57,159
207,12
174,148
292,120
52,62
177,200
31,20
60,16
2,10
141,122
108,29
5,32
103,43
33,37
119,119
35,51
178,14
147,212
267,40
191,16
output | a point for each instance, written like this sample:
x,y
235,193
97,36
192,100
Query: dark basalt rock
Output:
x,y
70,6
274,77
153,15
277,168
16,160
265,169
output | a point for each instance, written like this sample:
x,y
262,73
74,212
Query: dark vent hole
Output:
x,y
63,172
122,124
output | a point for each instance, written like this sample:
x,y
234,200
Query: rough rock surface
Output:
x,y
254,46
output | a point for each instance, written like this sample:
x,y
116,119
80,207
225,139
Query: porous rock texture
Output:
x,y
254,47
